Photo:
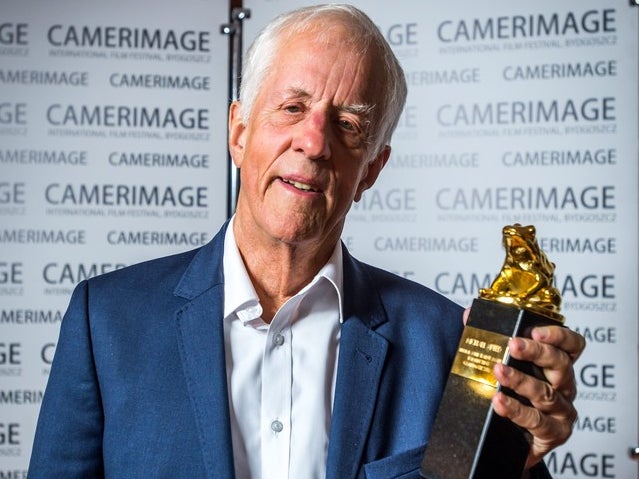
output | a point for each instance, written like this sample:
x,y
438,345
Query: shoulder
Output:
x,y
407,293
201,266
410,309
153,273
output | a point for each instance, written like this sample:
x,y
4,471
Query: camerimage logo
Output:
x,y
425,244
155,81
550,158
555,71
159,160
158,238
524,32
119,121
401,160
556,204
120,200
14,39
557,117
129,43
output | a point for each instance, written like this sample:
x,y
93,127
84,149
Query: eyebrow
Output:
x,y
358,108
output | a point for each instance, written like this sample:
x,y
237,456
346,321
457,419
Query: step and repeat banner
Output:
x,y
519,112
112,151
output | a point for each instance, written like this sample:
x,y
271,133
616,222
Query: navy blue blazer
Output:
x,y
138,388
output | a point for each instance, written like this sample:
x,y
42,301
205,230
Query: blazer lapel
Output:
x,y
361,360
201,341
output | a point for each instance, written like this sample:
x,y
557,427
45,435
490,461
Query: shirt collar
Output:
x,y
239,294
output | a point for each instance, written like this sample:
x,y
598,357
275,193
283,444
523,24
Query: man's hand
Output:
x,y
552,415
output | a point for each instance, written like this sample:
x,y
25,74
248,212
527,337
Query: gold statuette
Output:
x,y
526,278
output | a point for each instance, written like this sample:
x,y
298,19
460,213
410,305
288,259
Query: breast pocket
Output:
x,y
404,465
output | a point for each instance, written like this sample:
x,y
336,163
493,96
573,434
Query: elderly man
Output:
x,y
271,352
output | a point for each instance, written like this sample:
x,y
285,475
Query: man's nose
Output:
x,y
312,136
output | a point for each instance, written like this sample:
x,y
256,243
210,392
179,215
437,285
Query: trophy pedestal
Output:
x,y
469,440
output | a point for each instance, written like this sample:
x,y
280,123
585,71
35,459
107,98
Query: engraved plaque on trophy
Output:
x,y
469,440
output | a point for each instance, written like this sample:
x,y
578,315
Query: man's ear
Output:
x,y
373,171
237,131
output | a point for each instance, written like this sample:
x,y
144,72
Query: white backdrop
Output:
x,y
519,112
112,151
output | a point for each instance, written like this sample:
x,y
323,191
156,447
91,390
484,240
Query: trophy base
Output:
x,y
469,440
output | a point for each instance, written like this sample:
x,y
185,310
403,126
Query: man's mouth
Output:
x,y
300,186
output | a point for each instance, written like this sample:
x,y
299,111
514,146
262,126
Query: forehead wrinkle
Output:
x,y
337,41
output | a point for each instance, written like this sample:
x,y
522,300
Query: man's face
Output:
x,y
304,154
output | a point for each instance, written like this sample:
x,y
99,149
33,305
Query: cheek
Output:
x,y
263,150
249,176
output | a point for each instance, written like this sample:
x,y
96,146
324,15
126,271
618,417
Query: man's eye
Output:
x,y
346,125
293,108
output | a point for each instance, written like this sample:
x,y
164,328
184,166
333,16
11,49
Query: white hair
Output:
x,y
364,34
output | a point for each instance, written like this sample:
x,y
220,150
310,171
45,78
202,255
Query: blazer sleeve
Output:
x,y
68,438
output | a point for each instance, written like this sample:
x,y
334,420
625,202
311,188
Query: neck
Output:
x,y
279,270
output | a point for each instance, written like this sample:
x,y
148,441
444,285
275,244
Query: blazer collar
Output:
x,y
205,270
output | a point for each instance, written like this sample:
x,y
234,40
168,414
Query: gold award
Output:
x,y
526,278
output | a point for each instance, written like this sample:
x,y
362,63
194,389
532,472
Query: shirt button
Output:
x,y
277,426
278,339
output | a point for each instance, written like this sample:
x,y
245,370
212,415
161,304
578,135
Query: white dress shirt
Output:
x,y
281,376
